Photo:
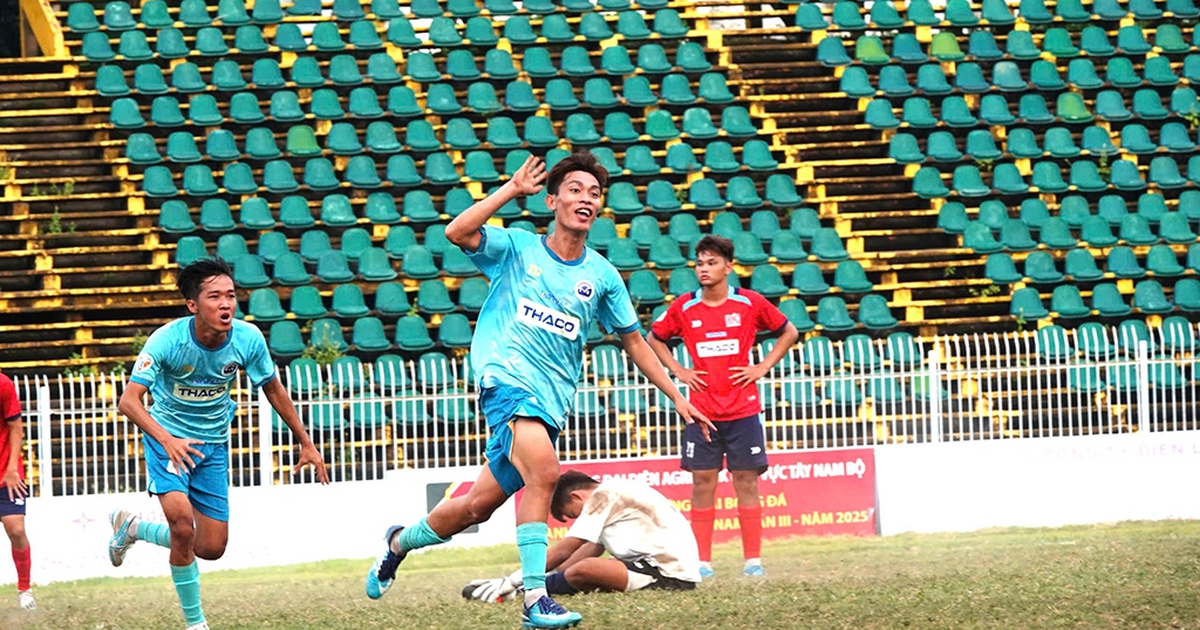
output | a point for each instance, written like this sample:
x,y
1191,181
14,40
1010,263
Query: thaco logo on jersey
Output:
x,y
722,348
192,393
548,319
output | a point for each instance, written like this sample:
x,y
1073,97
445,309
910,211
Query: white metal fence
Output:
x,y
860,391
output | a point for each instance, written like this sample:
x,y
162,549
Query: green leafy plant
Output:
x,y
985,165
1192,118
138,342
82,370
1103,167
984,291
949,272
323,351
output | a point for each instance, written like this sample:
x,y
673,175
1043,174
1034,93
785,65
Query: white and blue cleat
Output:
x,y
706,572
547,613
122,538
383,572
754,570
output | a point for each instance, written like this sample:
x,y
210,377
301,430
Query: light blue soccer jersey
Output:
x,y
534,324
190,383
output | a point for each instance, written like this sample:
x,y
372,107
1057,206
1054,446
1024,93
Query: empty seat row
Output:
x,y
943,146
118,16
1048,177
390,300
1095,231
1081,266
1074,210
1031,109
1107,301
848,16
411,334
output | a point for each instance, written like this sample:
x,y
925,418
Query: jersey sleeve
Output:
x,y
149,362
616,308
495,245
259,366
767,316
9,404
593,517
667,325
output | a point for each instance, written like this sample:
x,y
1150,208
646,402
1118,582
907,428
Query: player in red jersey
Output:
x,y
719,326
12,487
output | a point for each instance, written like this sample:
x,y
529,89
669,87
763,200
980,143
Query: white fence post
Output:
x,y
265,463
45,438
935,395
1143,386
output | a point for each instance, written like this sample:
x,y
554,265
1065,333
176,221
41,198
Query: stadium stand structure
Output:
x,y
897,169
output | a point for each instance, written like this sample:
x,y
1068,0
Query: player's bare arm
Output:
x,y
691,378
179,450
748,374
463,231
643,356
12,474
277,395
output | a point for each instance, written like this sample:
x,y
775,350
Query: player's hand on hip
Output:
x,y
16,487
310,456
528,178
747,374
692,378
181,453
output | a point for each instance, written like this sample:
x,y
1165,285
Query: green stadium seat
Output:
x,y
956,113
807,279
743,194
255,215
325,105
197,180
978,236
314,243
1081,266
831,52
1136,139
333,267
294,212
1164,173
1123,263
809,18
942,147
368,334
1161,261
248,273
879,114
265,306
1135,230
1020,46
328,333
827,245
216,217
433,297
319,174
175,218
244,108
343,139
1125,176
480,167
851,278
284,339
1148,297
260,144
278,177
348,302
1040,268
644,288
1086,177
1187,295
1132,41
748,249
1000,269
623,254
140,148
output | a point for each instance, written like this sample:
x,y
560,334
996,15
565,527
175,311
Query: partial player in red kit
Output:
x,y
719,326
12,488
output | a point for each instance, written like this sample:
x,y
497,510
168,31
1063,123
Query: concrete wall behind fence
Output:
x,y
921,488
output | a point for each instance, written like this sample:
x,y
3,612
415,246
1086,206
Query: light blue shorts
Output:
x,y
501,405
206,485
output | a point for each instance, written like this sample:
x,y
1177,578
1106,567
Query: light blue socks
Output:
x,y
156,533
187,586
531,544
419,535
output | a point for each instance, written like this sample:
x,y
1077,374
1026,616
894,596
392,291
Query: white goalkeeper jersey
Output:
x,y
633,521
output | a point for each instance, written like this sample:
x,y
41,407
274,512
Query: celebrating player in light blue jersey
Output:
x,y
527,354
189,366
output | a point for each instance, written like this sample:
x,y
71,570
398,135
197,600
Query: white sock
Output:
x,y
751,562
706,565
531,597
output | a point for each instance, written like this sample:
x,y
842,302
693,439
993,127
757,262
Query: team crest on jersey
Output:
x,y
534,271
584,290
145,362
732,320
229,369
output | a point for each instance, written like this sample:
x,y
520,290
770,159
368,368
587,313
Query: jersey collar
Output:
x,y
577,261
196,340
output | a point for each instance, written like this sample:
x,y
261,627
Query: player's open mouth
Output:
x,y
226,318
583,213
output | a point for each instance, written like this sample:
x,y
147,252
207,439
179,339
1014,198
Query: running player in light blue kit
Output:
x,y
188,366
527,353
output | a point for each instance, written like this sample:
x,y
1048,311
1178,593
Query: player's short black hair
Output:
x,y
194,275
578,161
568,482
718,245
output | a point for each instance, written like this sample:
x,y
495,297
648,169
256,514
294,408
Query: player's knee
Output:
x,y
16,533
543,479
479,511
210,551
182,528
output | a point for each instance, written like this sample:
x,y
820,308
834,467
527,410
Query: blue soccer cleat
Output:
x,y
546,613
706,572
122,538
383,572
754,570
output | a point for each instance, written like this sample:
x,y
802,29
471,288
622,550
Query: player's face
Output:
x,y
577,203
712,269
216,303
574,505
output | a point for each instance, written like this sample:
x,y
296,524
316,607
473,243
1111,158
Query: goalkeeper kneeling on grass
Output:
x,y
650,542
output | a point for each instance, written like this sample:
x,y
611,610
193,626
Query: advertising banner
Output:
x,y
809,493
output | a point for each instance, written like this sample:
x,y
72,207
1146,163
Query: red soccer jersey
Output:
x,y
720,338
10,411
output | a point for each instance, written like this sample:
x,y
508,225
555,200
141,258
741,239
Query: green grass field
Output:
x,y
1127,575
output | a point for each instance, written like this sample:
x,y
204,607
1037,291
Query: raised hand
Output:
x,y
528,179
